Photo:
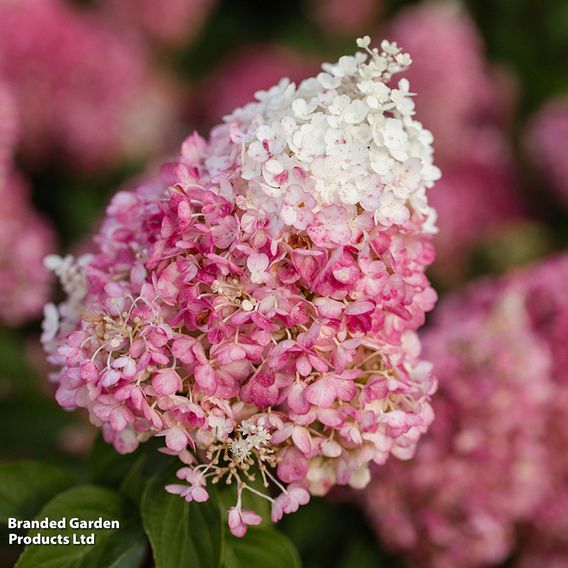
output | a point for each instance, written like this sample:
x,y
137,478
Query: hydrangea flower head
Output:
x,y
257,304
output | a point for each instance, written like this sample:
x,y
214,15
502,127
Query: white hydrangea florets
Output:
x,y
339,127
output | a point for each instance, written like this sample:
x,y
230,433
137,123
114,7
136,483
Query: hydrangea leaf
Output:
x,y
261,546
124,547
25,487
181,533
28,416
127,472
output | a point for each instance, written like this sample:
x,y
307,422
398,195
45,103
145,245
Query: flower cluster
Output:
x,y
257,304
545,143
84,92
491,465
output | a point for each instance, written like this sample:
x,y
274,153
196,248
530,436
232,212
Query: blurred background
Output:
x,y
93,93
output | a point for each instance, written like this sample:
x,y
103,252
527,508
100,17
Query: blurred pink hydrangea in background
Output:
x,y
172,23
491,474
463,101
8,130
341,18
253,68
543,541
257,305
474,201
547,147
481,469
85,94
25,238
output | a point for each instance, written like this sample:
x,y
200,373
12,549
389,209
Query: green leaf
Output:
x,y
25,487
114,548
337,534
261,547
107,466
128,472
181,533
31,426
14,368
124,548
359,552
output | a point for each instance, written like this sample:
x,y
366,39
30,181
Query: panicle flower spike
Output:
x,y
257,304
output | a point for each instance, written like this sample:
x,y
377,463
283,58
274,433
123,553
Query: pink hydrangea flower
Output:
x,y
84,92
227,306
25,239
241,519
545,141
